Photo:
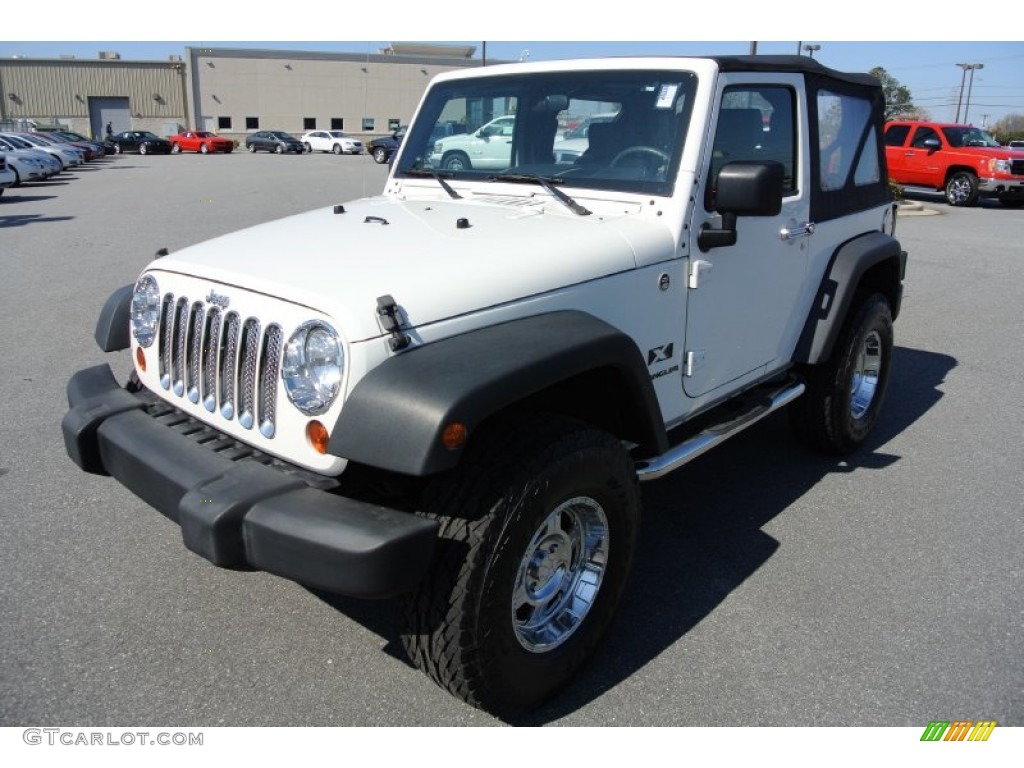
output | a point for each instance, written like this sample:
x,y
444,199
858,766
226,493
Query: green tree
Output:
x,y
1009,127
898,101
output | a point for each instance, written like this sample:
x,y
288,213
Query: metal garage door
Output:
x,y
113,110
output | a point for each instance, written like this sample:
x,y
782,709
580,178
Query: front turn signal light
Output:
x,y
140,359
318,437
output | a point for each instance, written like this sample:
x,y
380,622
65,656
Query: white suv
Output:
x,y
452,390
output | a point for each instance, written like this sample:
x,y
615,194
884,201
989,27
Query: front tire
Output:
x,y
456,161
844,395
962,189
143,149
538,530
337,149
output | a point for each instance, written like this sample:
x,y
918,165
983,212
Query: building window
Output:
x,y
309,123
337,123
393,124
224,123
252,123
367,124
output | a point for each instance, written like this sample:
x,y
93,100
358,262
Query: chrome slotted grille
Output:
x,y
212,357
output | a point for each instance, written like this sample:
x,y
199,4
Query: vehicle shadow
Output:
x,y
938,198
30,218
702,536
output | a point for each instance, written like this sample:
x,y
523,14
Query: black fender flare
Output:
x,y
849,264
396,413
112,326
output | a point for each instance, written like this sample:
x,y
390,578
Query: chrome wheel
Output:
x,y
864,379
560,574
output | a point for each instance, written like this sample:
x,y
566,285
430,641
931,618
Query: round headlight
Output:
x,y
145,310
312,367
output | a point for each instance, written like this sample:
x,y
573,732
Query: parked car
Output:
x,y
487,148
962,161
66,154
273,141
1016,144
464,393
143,142
383,148
202,142
7,175
26,167
332,141
89,151
50,164
101,147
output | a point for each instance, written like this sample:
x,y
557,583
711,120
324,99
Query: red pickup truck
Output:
x,y
961,160
199,141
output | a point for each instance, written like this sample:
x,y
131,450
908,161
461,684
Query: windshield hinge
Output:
x,y
391,321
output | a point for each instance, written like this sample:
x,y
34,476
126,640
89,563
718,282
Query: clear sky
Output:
x,y
852,36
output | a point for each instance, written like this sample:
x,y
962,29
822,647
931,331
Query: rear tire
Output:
x,y
203,149
538,530
844,394
380,155
175,148
252,148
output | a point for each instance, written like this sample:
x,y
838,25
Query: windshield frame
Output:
x,y
637,93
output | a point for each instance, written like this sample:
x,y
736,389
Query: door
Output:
x,y
741,297
112,111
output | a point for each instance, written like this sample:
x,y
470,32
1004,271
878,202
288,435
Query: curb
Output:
x,y
913,208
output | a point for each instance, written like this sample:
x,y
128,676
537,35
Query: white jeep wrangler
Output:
x,y
450,391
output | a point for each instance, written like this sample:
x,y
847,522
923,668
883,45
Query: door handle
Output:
x,y
791,233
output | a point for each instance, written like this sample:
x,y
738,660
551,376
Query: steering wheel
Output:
x,y
639,149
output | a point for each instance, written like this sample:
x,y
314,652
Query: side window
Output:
x,y
843,135
921,135
756,123
895,135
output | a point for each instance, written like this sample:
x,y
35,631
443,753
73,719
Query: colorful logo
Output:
x,y
958,730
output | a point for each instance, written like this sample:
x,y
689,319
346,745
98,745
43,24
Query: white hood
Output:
x,y
416,251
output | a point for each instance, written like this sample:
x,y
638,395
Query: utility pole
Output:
x,y
753,49
970,84
963,78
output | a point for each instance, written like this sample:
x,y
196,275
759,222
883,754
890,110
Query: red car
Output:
x,y
203,142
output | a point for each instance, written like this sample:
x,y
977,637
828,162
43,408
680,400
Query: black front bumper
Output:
x,y
241,514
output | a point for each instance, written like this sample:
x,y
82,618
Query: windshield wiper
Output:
x,y
437,176
548,182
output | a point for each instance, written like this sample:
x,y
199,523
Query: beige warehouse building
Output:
x,y
232,91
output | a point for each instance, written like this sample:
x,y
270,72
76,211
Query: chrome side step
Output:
x,y
691,448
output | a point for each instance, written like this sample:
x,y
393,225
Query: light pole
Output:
x,y
811,48
963,78
970,84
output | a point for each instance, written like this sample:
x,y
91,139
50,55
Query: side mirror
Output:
x,y
743,189
932,144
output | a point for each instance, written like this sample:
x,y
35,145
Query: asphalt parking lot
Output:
x,y
772,587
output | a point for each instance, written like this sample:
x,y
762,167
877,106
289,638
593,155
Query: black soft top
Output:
x,y
790,64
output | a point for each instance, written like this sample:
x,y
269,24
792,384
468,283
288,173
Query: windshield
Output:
x,y
477,128
968,137
19,142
